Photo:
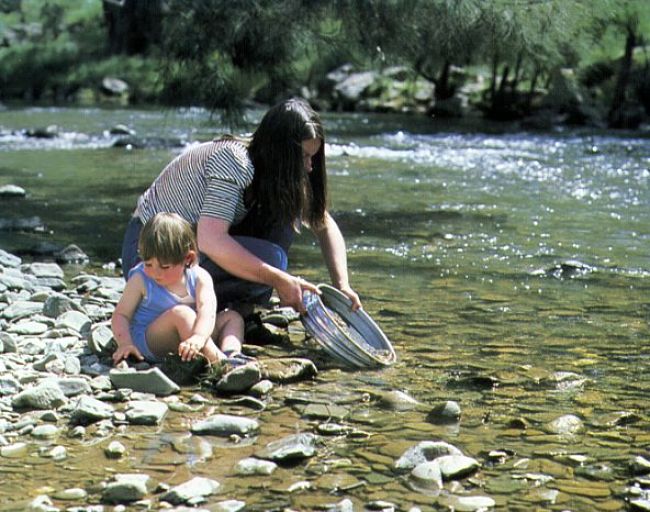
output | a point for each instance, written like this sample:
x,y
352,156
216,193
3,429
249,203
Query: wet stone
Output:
x,y
290,448
566,425
423,452
225,425
191,492
126,488
152,380
253,466
325,412
90,410
445,413
145,412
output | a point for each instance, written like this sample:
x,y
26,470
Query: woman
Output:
x,y
247,201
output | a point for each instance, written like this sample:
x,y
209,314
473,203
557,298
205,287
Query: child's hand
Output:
x,y
123,352
191,347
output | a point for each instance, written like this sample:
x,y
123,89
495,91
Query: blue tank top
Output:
x,y
158,299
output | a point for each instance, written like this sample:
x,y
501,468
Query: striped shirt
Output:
x,y
208,179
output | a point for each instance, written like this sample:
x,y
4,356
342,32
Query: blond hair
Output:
x,y
168,238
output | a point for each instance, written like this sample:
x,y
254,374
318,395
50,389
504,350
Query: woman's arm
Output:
x,y
206,314
332,246
217,244
121,319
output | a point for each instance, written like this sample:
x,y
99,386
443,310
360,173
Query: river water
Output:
x,y
510,269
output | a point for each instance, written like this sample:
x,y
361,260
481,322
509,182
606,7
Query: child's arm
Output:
x,y
206,314
121,319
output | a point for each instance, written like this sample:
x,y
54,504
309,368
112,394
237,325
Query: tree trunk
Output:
x,y
133,25
620,90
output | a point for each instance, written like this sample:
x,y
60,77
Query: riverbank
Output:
x,y
131,437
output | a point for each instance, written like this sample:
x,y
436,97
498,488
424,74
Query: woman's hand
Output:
x,y
353,296
290,290
123,352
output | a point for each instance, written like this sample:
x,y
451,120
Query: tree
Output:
x,y
221,51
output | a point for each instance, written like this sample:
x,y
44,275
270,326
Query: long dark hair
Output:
x,y
282,191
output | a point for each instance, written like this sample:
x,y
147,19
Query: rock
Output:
x,y
21,309
43,270
566,425
12,191
397,401
71,254
288,370
114,86
9,260
239,379
145,412
427,475
423,452
253,466
76,321
225,425
445,413
325,412
115,450
43,396
152,380
191,492
456,466
90,410
101,341
56,304
126,488
467,503
640,465
290,448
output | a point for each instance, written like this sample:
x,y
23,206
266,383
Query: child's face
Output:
x,y
164,274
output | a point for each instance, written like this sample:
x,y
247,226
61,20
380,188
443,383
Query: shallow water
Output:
x,y
455,240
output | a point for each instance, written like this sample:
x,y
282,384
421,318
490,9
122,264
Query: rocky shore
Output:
x,y
60,394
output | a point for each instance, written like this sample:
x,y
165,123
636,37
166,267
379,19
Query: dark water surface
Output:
x,y
456,244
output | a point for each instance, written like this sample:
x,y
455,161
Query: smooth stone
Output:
x,y
325,412
239,379
152,380
13,451
566,425
9,260
253,466
456,466
126,488
190,491
225,425
290,448
447,412
39,269
90,410
27,328
42,396
45,431
75,320
21,308
640,465
115,450
468,503
228,506
146,412
262,388
423,452
428,474
72,494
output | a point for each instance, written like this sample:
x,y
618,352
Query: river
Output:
x,y
510,269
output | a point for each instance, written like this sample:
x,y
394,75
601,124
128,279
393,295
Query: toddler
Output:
x,y
169,303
